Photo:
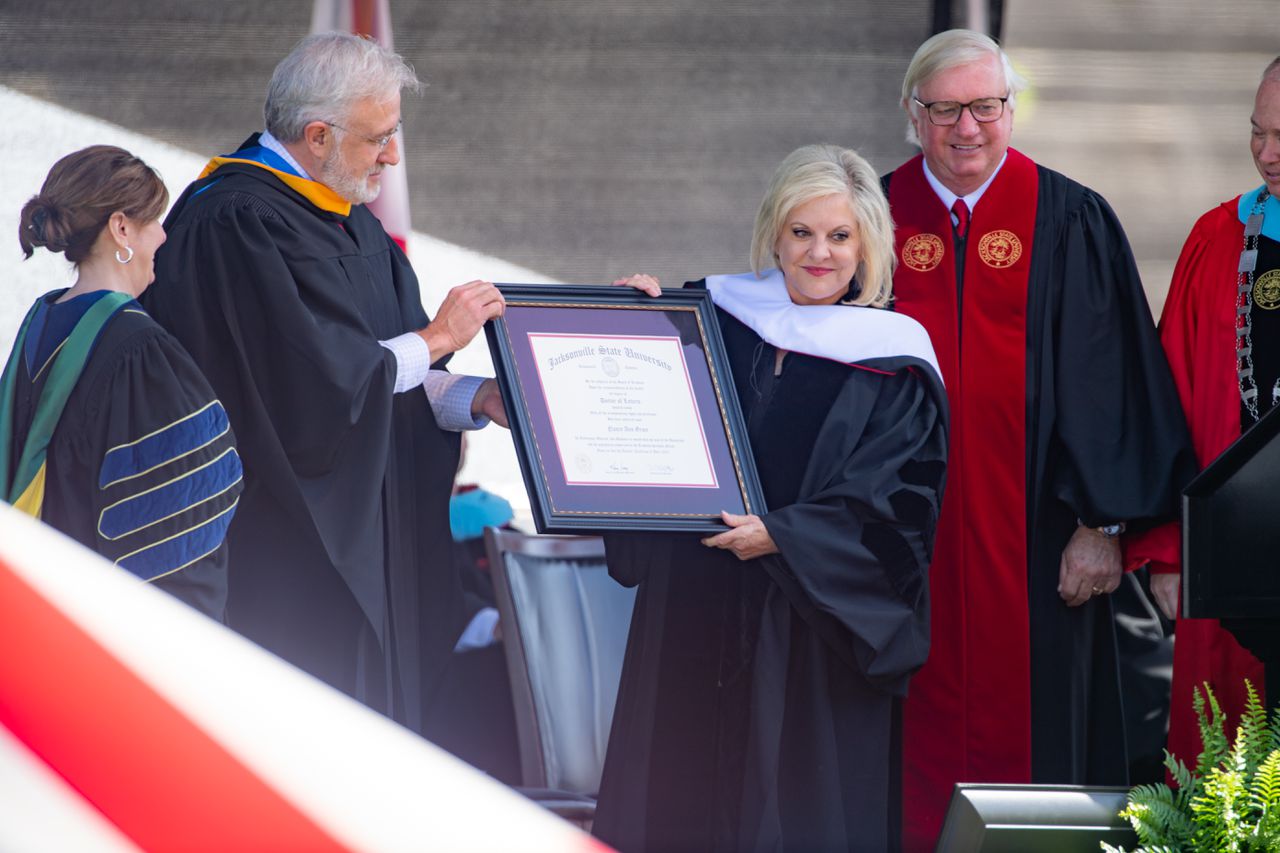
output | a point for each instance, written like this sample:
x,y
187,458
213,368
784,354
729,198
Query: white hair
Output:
x,y
325,75
951,49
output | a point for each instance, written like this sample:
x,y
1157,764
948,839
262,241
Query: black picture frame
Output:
x,y
602,323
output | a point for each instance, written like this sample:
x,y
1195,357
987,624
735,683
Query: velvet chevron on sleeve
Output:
x,y
142,466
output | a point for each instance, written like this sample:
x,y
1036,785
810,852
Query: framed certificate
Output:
x,y
622,409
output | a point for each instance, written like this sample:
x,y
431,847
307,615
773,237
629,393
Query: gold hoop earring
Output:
x,y
126,258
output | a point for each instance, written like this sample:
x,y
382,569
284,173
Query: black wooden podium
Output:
x,y
1231,545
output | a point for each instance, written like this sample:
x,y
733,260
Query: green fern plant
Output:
x,y
1229,802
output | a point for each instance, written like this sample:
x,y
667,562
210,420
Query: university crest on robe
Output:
x,y
922,252
1266,290
1000,249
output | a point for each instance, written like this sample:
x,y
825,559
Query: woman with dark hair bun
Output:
x,y
108,431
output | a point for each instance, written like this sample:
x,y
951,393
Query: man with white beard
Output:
x,y
307,319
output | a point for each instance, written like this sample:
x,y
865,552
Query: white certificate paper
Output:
x,y
622,410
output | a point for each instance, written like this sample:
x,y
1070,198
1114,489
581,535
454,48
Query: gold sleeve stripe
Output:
x,y
165,445
182,549
171,498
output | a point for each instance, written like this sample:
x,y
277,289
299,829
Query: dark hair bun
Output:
x,y
42,224
80,194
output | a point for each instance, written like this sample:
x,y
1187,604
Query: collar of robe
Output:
x,y
845,333
23,484
1270,212
313,191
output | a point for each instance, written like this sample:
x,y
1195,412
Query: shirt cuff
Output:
x,y
479,634
451,396
413,360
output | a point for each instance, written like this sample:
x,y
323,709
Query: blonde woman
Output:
x,y
765,665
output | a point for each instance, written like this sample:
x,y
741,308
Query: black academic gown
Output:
x,y
340,557
757,703
168,502
1102,445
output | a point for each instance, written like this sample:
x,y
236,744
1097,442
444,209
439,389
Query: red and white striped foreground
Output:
x,y
129,721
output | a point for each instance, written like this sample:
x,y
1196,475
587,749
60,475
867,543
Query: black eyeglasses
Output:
x,y
947,113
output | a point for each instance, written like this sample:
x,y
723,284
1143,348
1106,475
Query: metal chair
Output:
x,y
565,624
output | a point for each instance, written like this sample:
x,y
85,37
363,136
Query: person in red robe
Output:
x,y
1198,329
1065,428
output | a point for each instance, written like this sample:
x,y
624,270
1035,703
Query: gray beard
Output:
x,y
336,176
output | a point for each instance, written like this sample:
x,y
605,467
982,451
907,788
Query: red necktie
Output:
x,y
961,210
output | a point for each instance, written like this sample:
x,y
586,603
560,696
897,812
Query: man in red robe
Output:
x,y
1198,329
1065,429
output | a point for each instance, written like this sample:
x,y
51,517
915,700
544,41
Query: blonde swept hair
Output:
x,y
815,171
951,49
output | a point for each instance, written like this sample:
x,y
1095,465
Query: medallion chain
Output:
x,y
1244,306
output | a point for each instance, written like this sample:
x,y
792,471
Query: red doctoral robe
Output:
x,y
1062,411
1197,330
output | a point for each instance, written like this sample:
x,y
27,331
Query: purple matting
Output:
x,y
660,501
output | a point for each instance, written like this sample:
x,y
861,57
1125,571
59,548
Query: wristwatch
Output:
x,y
1111,531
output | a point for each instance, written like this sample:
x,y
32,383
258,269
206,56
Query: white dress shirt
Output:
x,y
949,198
450,395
